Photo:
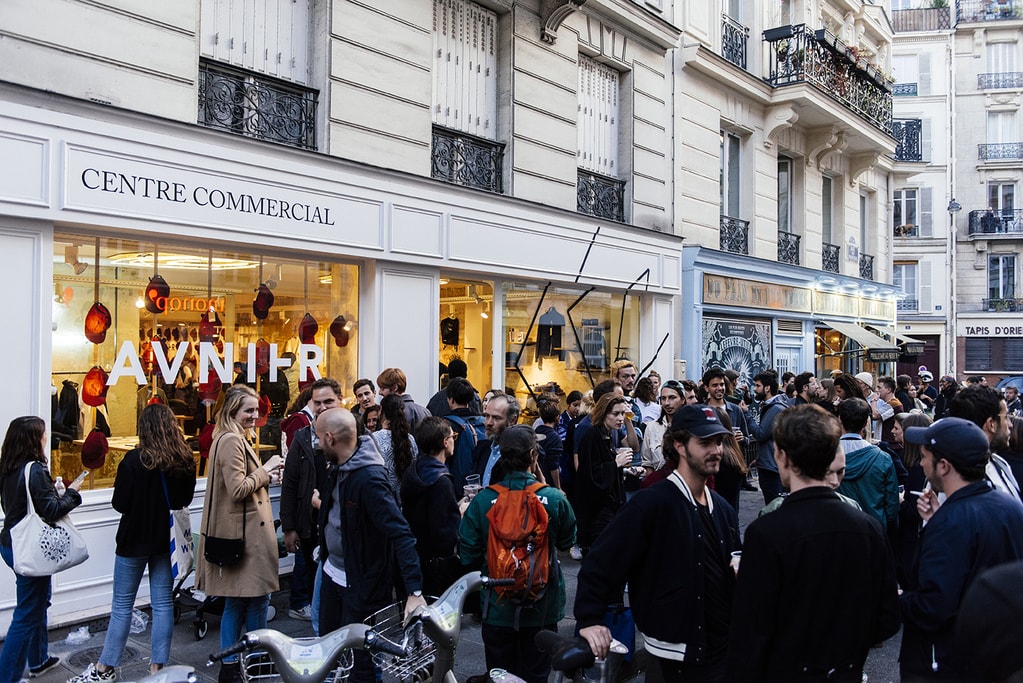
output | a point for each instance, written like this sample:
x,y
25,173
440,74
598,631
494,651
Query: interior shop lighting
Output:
x,y
171,260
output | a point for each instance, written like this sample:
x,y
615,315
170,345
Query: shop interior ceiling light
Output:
x,y
180,261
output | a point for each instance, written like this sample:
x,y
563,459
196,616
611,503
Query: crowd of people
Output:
x,y
885,500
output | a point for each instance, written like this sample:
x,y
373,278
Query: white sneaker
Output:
x,y
94,675
304,614
576,553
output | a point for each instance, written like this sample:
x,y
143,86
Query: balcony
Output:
x,y
734,235
866,266
907,305
904,90
256,106
909,134
829,257
1002,305
1005,222
924,19
788,248
1009,79
1000,151
976,11
907,230
798,55
467,160
600,196
734,37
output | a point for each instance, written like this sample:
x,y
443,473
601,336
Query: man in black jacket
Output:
x,y
671,544
362,534
305,470
816,588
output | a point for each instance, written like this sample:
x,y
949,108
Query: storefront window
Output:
x,y
181,337
568,340
466,328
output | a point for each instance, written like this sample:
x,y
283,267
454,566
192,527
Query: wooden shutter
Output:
x,y
465,73
266,36
598,117
926,212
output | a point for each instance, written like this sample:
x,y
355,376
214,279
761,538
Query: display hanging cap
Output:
x,y
97,322
157,289
339,332
307,329
94,387
262,303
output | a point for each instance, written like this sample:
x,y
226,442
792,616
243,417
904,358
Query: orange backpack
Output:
x,y
518,545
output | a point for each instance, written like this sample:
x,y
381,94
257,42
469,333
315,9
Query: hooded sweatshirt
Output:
x,y
366,454
871,481
430,505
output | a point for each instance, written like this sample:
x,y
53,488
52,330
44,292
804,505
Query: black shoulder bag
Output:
x,y
225,552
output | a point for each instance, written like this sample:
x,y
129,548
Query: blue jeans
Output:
x,y
127,577
26,641
314,606
770,484
238,611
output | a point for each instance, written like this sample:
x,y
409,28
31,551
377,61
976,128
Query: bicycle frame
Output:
x,y
442,623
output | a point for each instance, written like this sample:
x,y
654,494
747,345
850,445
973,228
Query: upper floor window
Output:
x,y
784,194
1001,58
598,117
1002,127
904,277
730,173
465,67
904,209
269,37
827,209
1001,276
1001,198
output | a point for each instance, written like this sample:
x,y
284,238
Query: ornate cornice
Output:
x,y
552,14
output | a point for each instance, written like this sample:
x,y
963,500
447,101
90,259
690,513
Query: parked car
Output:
x,y
1012,381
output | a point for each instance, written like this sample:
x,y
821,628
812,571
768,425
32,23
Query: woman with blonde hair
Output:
x,y
237,506
152,480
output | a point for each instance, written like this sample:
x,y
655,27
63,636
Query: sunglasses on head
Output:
x,y
673,384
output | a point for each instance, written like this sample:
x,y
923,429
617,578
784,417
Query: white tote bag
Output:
x,y
181,550
41,549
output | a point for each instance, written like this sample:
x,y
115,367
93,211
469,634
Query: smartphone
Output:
x,y
80,478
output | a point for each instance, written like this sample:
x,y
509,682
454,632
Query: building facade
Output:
x,y
324,189
989,171
784,163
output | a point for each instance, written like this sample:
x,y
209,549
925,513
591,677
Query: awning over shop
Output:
x,y
877,348
910,346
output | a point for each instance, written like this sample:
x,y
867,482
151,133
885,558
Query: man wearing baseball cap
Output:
x,y
975,528
671,545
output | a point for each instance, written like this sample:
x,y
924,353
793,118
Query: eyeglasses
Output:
x,y
452,436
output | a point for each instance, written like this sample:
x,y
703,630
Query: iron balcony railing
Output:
x,y
256,106
798,54
1003,305
1006,221
975,11
866,266
788,248
1009,79
734,38
907,305
829,257
904,90
994,151
909,134
924,19
467,160
601,196
734,235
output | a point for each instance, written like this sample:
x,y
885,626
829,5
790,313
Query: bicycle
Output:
x,y
269,655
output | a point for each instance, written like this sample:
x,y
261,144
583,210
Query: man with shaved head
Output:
x,y
363,534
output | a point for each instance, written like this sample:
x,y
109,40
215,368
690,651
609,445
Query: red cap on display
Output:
x,y
97,322
206,328
94,450
94,387
157,288
338,331
307,329
206,440
264,410
262,356
210,389
262,303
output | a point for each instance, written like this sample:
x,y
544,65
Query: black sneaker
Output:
x,y
51,662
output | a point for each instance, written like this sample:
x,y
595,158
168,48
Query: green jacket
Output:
x,y
472,548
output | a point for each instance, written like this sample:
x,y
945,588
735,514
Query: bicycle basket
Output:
x,y
418,664
258,667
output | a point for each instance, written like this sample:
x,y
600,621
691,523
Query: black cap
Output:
x,y
959,441
517,440
699,420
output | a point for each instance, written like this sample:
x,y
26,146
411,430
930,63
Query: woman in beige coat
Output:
x,y
236,495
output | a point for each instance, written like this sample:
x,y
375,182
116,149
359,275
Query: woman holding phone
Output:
x,y
238,506
26,642
152,480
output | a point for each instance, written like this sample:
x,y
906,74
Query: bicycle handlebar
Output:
x,y
241,646
567,654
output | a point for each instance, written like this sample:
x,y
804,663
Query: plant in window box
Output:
x,y
905,230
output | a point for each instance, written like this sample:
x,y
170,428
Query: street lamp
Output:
x,y
954,208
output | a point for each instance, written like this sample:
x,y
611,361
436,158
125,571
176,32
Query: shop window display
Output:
x,y
565,339
466,328
171,323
